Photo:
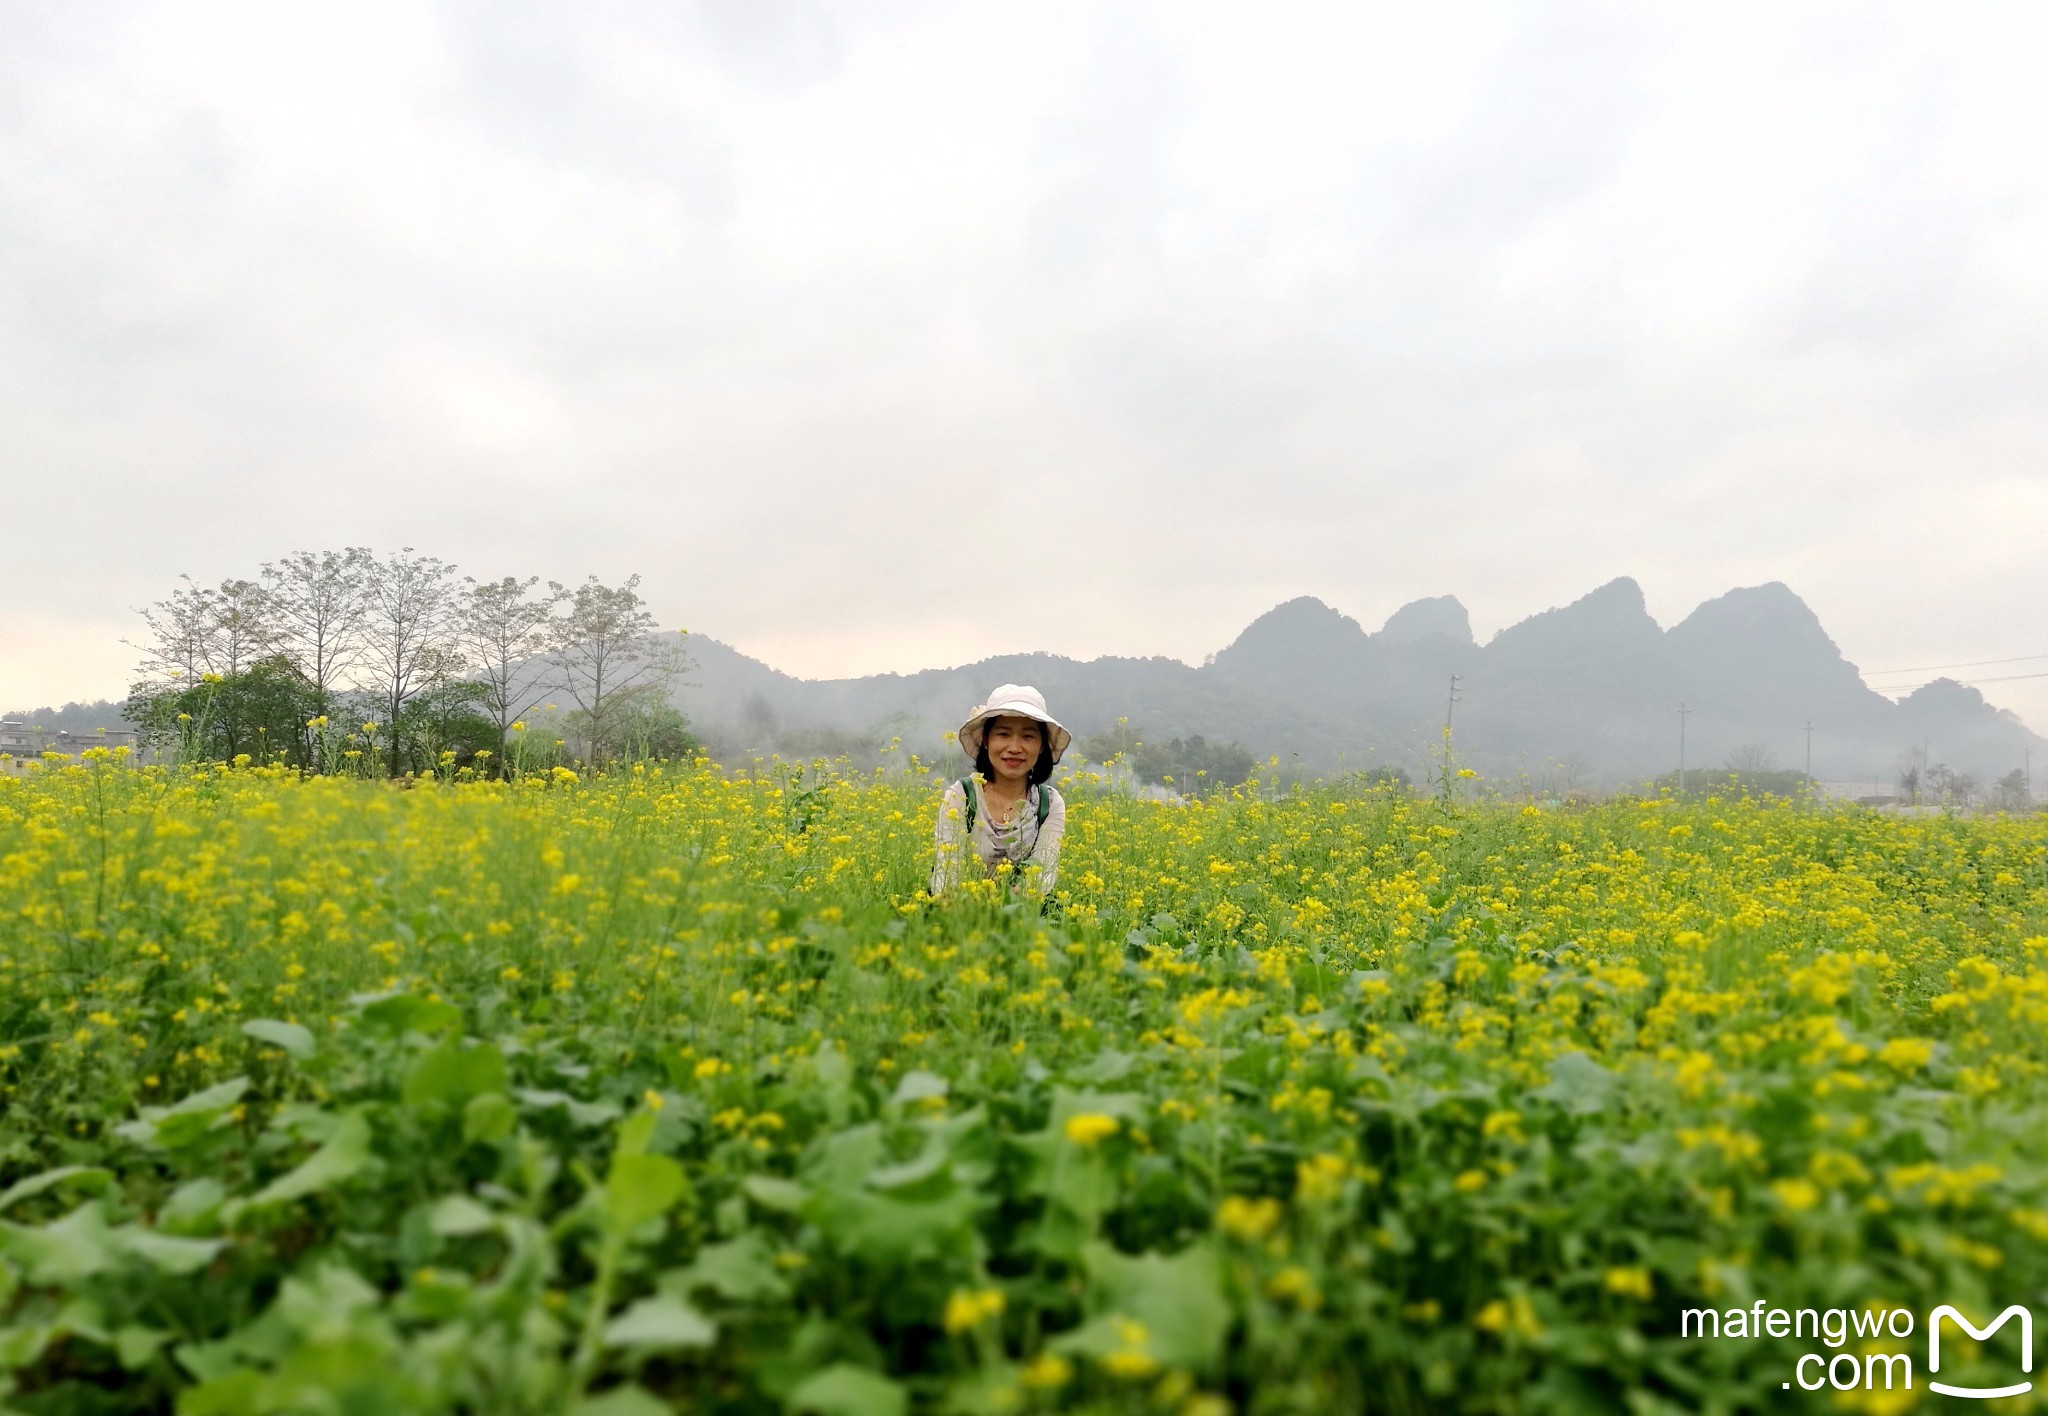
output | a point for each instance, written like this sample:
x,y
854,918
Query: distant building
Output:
x,y
23,743
1864,790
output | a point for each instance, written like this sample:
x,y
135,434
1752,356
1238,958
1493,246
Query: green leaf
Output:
x,y
1081,1181
913,1172
634,1135
835,1080
347,1151
191,1119
22,1345
919,1085
773,1193
219,1360
1105,1067
320,1300
167,1253
742,1270
488,1118
36,1184
885,1230
238,1393
218,1097
135,1346
1179,1299
990,1391
660,1323
451,1074
66,1251
844,1390
406,1013
290,1036
583,1113
628,1400
639,1188
1578,1084
194,1205
459,1214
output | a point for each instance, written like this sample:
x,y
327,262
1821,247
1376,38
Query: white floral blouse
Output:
x,y
1020,840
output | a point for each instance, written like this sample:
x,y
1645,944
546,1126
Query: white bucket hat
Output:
x,y
1020,700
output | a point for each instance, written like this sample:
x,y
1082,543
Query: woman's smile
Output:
x,y
1013,745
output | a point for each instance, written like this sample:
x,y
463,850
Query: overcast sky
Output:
x,y
892,335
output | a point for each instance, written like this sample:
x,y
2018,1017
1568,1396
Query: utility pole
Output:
x,y
1450,706
1681,749
1809,756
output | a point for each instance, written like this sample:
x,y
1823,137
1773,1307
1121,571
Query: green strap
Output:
x,y
967,791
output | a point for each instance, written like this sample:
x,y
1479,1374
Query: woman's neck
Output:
x,y
1006,791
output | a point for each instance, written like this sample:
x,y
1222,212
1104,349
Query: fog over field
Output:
x,y
905,337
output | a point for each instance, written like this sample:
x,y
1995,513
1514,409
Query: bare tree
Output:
x,y
318,598
409,642
181,633
607,661
244,625
2009,793
1950,787
1752,757
1909,777
505,630
198,630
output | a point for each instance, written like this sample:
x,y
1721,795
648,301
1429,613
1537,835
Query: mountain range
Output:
x,y
1588,692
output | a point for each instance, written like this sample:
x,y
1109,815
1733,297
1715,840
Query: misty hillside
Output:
x,y
1592,689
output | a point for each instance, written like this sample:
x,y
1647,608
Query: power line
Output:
x,y
1972,683
1970,664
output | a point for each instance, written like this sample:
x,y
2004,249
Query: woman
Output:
x,y
1006,813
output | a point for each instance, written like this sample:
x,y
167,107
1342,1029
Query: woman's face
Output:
x,y
1013,745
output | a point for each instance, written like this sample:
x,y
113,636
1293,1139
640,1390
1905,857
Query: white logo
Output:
x,y
1982,1335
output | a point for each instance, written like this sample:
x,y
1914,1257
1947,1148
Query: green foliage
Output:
x,y
645,727
637,1093
260,712
444,727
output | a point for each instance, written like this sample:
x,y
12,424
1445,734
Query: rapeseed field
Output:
x,y
667,1089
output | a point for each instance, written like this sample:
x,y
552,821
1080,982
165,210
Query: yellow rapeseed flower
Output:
x,y
1630,1282
968,1308
1247,1220
1090,1128
1796,1193
1048,1371
1319,1180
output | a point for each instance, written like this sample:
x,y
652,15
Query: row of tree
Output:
x,y
405,659
1940,784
